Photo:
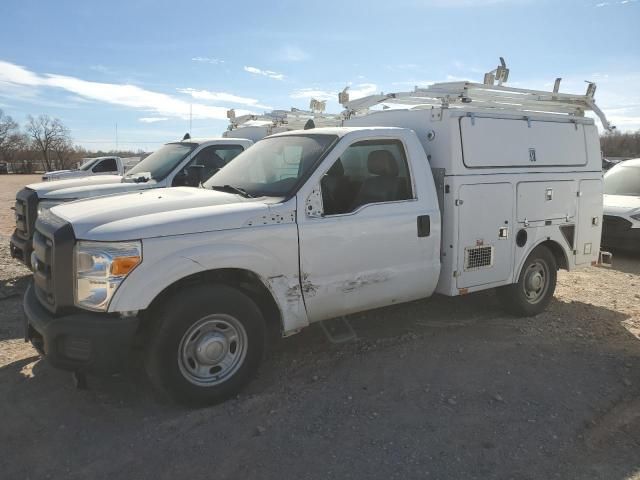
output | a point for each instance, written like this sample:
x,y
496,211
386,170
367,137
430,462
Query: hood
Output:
x,y
157,213
66,174
620,204
43,188
93,190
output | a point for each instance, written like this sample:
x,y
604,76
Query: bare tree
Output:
x,y
45,133
20,154
621,144
8,130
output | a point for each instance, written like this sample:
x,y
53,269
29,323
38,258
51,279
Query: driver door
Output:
x,y
366,249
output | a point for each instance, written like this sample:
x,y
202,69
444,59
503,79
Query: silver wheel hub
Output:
x,y
212,350
535,283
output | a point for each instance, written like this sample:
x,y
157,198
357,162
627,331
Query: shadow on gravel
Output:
x,y
13,287
440,388
626,262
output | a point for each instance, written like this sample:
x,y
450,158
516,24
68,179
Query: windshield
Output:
x,y
161,162
621,180
87,166
274,166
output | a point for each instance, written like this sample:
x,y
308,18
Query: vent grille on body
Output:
x,y
478,257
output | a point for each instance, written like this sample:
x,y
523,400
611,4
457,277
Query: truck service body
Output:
x,y
152,172
311,225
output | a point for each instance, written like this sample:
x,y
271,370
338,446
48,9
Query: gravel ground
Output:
x,y
439,388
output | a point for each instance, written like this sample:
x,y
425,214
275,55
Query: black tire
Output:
x,y
522,298
173,371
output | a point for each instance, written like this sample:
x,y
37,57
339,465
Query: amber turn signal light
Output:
x,y
123,265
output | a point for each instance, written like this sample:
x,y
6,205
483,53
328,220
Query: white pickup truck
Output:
x,y
185,163
309,225
92,167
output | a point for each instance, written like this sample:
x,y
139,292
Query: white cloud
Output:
x,y
152,119
101,69
222,97
362,90
291,53
309,93
15,77
214,61
265,73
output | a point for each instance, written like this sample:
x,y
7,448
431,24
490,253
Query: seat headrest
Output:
x,y
212,160
383,163
336,170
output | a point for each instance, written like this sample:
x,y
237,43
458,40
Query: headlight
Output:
x,y
45,205
100,268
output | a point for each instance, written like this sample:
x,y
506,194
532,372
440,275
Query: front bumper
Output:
x,y
21,249
84,342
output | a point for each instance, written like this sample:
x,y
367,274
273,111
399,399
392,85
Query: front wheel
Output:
x,y
207,344
535,287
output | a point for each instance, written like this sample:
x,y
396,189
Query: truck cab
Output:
x,y
185,163
92,166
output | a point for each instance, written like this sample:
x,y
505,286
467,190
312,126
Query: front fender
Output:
x,y
270,252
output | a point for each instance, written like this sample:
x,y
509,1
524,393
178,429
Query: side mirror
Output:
x,y
313,205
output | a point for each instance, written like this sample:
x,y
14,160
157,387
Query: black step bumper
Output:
x,y
84,342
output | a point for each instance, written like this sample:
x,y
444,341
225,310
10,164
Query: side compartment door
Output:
x,y
485,234
589,221
376,243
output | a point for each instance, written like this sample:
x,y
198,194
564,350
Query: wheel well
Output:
x,y
244,280
558,253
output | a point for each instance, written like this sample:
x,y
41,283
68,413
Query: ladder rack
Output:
x,y
294,119
483,95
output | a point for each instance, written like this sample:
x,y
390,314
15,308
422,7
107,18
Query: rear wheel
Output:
x,y
207,344
535,287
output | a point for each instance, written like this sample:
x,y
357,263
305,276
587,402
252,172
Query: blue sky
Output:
x,y
142,63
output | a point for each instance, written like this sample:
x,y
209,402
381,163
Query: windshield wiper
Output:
x,y
232,189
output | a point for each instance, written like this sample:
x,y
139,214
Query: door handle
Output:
x,y
424,226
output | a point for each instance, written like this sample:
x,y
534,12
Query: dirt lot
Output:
x,y
440,388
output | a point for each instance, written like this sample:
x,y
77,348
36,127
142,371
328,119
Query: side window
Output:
x,y
213,158
372,171
106,165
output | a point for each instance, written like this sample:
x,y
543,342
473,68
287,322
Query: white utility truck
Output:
x,y
91,167
185,163
475,186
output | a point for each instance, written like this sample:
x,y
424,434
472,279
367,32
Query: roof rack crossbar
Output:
x,y
478,95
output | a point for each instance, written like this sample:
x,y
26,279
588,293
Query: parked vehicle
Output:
x,y
185,163
93,166
621,223
309,225
4,168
